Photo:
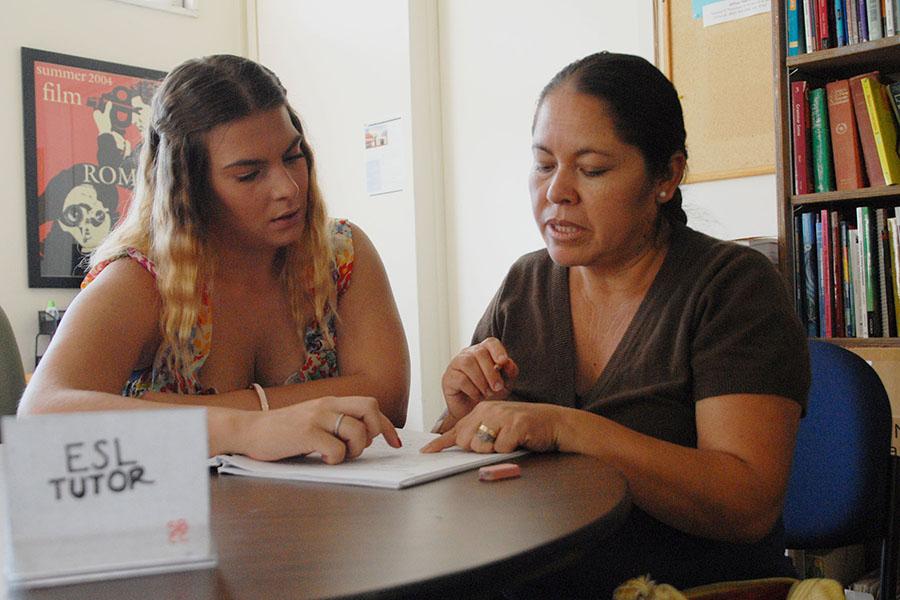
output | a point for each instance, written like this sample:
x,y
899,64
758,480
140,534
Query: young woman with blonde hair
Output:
x,y
236,291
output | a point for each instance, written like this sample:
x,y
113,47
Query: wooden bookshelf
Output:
x,y
849,60
820,67
869,195
864,342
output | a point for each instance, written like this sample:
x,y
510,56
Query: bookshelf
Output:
x,y
818,68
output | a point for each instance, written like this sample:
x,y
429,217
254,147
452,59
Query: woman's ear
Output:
x,y
666,188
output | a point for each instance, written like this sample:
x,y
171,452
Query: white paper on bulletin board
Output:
x,y
732,10
385,168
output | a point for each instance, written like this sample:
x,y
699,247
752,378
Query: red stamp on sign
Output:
x,y
178,531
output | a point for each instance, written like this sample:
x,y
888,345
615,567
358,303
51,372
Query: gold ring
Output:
x,y
486,434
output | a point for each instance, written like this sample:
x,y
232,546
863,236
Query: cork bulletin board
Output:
x,y
723,74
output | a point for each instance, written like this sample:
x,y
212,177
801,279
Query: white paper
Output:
x,y
732,10
385,156
378,466
105,494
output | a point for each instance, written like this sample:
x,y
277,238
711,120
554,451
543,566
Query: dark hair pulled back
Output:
x,y
645,109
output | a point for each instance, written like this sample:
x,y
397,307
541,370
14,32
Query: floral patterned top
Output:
x,y
321,356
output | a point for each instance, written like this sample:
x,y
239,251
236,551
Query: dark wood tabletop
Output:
x,y
448,538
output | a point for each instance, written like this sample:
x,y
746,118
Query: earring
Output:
x,y
662,194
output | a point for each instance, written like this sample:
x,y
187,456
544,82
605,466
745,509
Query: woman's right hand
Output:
x,y
310,427
480,372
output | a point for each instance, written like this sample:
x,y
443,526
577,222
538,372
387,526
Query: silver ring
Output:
x,y
486,434
337,424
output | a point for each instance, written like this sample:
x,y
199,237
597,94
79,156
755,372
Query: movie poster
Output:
x,y
84,120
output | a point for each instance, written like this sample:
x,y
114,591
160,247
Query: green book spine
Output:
x,y
865,225
823,172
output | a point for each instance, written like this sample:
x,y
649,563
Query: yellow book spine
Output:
x,y
895,267
883,130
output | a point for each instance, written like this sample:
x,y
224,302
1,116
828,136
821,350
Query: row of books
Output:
x,y
845,135
847,269
821,24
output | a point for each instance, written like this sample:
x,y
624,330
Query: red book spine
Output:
x,y
848,168
823,31
837,277
866,136
800,124
827,279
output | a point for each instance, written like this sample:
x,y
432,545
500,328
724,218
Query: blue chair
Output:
x,y
842,485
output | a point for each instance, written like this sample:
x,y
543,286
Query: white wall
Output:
x,y
495,58
346,63
99,29
733,208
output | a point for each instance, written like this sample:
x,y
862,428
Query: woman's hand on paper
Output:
x,y
480,372
317,426
536,427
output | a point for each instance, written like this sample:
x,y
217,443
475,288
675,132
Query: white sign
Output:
x,y
101,495
385,168
732,10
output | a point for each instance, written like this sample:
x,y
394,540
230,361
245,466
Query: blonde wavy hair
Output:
x,y
169,215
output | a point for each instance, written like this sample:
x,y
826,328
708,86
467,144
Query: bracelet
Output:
x,y
263,401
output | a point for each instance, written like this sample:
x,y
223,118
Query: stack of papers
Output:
x,y
378,466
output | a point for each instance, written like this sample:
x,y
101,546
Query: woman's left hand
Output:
x,y
504,426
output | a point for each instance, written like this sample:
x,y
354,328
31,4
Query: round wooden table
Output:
x,y
448,538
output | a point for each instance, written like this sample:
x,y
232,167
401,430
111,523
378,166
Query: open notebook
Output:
x,y
378,466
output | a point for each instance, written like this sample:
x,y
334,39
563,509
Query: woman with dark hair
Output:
x,y
668,354
227,226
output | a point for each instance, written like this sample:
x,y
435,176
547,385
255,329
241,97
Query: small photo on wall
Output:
x,y
84,124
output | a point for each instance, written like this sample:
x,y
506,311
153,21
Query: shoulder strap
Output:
x,y
131,253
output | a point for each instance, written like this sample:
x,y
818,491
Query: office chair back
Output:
x,y
12,374
842,478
